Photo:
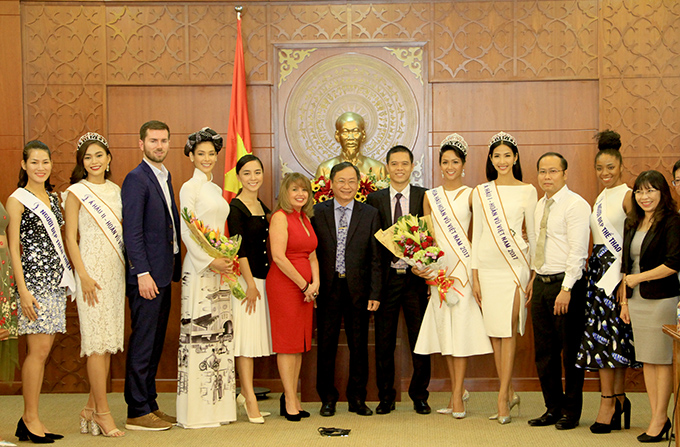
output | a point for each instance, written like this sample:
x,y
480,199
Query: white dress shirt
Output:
x,y
567,235
405,209
162,177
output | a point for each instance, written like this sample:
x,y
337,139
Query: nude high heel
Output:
x,y
113,433
241,400
85,420
449,410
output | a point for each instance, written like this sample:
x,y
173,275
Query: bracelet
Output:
x,y
305,289
624,303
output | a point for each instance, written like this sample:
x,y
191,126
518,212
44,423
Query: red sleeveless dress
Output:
x,y
291,318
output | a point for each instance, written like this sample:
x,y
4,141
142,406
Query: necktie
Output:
x,y
397,214
397,207
539,259
342,240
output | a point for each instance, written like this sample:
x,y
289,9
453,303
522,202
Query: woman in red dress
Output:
x,y
292,285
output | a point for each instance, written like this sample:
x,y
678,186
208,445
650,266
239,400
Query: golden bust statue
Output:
x,y
350,133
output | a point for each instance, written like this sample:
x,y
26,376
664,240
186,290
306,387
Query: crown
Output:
x,y
455,140
92,136
502,136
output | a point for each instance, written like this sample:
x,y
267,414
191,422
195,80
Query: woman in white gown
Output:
x,y
206,378
501,257
453,327
93,211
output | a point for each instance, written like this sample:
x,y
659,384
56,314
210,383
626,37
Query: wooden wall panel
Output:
x,y
407,21
309,22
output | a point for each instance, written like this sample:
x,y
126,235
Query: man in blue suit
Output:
x,y
152,236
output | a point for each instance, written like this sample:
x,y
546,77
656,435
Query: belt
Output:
x,y
400,271
547,279
340,275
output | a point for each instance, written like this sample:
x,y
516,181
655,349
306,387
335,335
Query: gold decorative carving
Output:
x,y
308,22
349,83
412,58
289,61
408,21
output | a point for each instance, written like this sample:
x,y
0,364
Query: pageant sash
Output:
x,y
614,243
103,215
452,230
500,230
49,221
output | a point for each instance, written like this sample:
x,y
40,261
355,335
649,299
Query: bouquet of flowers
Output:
x,y
410,239
217,245
368,183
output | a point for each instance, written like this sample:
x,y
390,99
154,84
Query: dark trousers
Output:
x,y
556,343
329,315
403,292
149,322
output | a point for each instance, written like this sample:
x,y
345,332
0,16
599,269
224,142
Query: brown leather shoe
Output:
x,y
166,417
148,422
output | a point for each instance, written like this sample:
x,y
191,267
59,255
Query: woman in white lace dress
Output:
x,y
93,210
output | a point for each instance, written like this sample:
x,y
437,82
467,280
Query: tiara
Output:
x,y
455,140
92,136
502,136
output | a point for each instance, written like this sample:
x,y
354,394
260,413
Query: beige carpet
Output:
x,y
402,427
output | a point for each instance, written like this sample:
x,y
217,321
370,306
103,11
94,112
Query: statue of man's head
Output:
x,y
350,132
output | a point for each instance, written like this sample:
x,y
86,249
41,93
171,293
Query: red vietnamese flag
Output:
x,y
238,135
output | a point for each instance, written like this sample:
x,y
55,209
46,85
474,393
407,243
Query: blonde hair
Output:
x,y
283,202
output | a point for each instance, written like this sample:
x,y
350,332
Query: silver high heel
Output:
x,y
85,421
505,419
515,402
241,400
449,410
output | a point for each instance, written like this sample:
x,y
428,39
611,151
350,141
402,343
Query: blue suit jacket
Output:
x,y
148,228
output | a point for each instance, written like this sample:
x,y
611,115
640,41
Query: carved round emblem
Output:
x,y
349,83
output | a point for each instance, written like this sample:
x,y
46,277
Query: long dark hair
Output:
x,y
79,172
33,145
491,173
666,206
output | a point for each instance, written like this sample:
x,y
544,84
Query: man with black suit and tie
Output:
x,y
151,234
349,263
401,288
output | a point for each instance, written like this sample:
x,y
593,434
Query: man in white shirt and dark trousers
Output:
x,y
558,292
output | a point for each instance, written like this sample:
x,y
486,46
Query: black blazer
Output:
x,y
362,256
147,228
661,245
381,200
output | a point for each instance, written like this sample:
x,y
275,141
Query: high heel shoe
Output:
x,y
614,423
664,432
449,410
505,419
241,400
514,402
113,433
85,420
24,434
283,412
626,409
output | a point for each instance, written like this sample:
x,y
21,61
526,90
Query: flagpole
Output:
x,y
239,10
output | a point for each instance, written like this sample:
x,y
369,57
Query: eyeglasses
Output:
x,y
642,192
356,133
343,182
543,172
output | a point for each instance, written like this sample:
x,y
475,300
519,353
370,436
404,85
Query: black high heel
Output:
x,y
614,423
664,432
284,413
24,434
625,407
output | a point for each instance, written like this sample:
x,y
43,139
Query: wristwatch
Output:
x,y
566,289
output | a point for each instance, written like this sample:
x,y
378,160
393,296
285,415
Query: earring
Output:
x,y
515,162
463,174
108,168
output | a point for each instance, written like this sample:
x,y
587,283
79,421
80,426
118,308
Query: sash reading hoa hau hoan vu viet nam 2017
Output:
x,y
500,230
103,215
453,232
614,243
49,221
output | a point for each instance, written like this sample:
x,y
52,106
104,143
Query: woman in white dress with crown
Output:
x,y
93,211
452,324
502,209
